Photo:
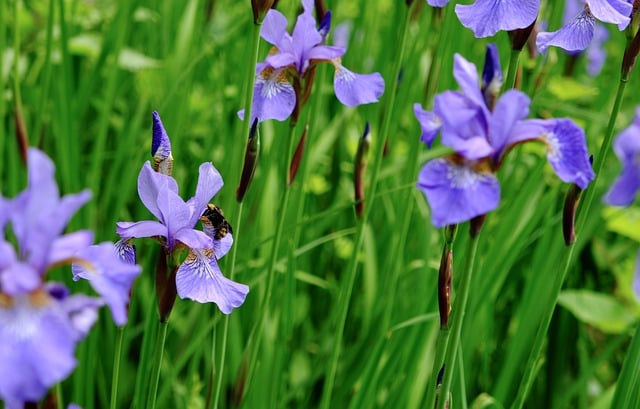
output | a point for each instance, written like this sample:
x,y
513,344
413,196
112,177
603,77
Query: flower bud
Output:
x,y
520,36
445,276
260,9
250,161
297,155
358,173
21,134
569,214
161,147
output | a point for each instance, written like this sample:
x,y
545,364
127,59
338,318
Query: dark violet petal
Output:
x,y
487,17
437,3
274,27
110,276
325,25
625,188
126,250
511,107
65,247
567,151
491,74
145,228
273,96
466,75
199,279
161,147
572,37
611,11
150,183
430,124
456,193
194,239
356,89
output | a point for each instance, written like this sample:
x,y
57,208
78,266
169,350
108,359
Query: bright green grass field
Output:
x,y
342,312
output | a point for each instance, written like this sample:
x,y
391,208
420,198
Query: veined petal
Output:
x,y
126,250
273,96
199,278
572,37
145,228
487,17
456,192
356,89
611,11
430,124
567,151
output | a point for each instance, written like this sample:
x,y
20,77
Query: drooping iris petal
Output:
x,y
430,124
456,192
611,11
273,96
109,275
627,148
566,151
199,278
356,89
572,37
487,17
126,250
39,336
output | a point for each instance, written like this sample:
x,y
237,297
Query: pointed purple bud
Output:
x,y
491,76
161,147
325,25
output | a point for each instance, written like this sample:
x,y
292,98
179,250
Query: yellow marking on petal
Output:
x,y
5,301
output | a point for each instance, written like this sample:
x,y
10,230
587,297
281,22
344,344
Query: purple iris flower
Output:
x,y
595,52
198,278
579,32
280,76
462,185
627,148
40,322
487,17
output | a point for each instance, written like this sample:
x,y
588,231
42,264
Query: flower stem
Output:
x,y
116,367
513,69
532,366
161,337
349,280
459,307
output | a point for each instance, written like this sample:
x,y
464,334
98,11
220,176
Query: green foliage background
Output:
x,y
87,75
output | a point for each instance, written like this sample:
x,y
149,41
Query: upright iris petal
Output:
x,y
487,17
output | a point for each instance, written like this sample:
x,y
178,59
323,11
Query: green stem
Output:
x,y
157,363
116,367
532,366
59,397
513,69
459,307
257,331
248,91
347,287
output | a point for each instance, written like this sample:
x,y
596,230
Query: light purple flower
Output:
x,y
578,34
40,323
285,70
486,17
462,186
176,218
198,277
627,148
39,333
